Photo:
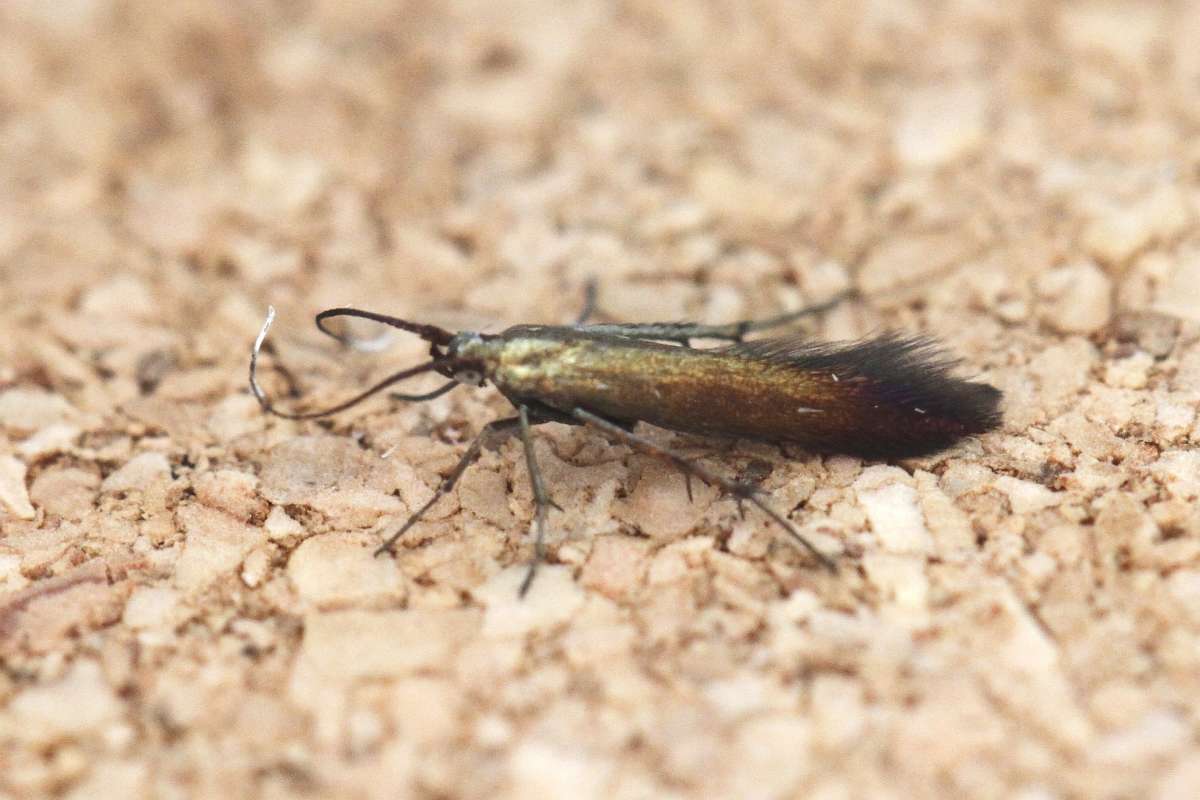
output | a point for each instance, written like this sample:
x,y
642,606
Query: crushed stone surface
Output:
x,y
190,604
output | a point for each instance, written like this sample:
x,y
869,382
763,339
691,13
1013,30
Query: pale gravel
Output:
x,y
189,604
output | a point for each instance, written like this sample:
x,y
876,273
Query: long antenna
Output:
x,y
430,333
269,407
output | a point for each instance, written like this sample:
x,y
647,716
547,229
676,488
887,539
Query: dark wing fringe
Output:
x,y
898,369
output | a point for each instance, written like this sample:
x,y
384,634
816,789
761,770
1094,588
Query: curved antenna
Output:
x,y
269,407
430,333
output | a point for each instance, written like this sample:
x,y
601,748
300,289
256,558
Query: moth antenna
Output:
x,y
394,378
430,333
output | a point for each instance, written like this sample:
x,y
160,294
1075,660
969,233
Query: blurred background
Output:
x,y
1019,179
730,157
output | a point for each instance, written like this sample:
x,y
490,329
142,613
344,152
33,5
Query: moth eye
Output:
x,y
469,376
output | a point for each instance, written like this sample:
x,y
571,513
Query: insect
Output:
x,y
889,396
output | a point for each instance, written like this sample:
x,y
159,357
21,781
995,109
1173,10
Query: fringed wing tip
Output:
x,y
910,371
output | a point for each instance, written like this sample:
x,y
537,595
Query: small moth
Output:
x,y
889,396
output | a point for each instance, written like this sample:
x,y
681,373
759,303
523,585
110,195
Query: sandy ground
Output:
x,y
188,602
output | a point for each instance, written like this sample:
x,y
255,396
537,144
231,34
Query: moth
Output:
x,y
889,396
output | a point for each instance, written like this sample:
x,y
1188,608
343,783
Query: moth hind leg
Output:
x,y
742,491
684,332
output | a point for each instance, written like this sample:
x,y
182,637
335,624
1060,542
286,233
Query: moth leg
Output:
x,y
684,332
491,432
589,302
541,500
741,491
740,329
289,377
